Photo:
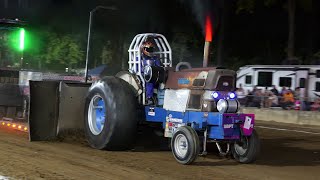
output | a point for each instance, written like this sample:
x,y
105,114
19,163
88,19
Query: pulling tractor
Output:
x,y
194,106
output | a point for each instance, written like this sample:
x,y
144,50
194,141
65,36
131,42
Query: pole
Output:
x,y
206,53
89,35
21,60
88,47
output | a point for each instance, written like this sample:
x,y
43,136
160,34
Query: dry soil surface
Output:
x,y
284,155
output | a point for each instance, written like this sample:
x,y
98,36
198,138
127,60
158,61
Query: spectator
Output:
x,y
283,91
241,94
297,92
249,98
257,98
250,95
316,105
272,101
255,88
268,98
287,100
274,90
297,102
275,101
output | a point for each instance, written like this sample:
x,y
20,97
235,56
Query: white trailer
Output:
x,y
307,77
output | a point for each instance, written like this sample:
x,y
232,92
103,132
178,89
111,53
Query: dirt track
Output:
x,y
285,155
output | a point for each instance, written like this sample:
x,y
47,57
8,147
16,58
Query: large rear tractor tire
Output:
x,y
185,145
110,115
247,149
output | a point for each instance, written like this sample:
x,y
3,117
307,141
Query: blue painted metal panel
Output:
x,y
179,115
198,119
183,81
215,119
155,114
220,126
215,129
223,126
215,132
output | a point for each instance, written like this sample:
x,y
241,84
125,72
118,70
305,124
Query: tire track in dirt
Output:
x,y
284,156
46,159
87,160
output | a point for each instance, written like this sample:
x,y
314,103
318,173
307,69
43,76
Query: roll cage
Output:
x,y
164,54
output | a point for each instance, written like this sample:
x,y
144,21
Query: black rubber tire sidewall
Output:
x,y
193,145
119,130
252,151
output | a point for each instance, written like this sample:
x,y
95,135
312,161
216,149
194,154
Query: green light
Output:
x,y
22,33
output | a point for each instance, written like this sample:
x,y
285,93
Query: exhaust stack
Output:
x,y
208,39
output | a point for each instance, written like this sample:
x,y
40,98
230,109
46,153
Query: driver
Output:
x,y
148,58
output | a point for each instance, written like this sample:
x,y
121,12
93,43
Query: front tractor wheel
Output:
x,y
185,145
110,115
247,149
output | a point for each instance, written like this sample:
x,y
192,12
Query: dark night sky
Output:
x,y
257,38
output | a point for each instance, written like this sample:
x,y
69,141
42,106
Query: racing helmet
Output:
x,y
147,48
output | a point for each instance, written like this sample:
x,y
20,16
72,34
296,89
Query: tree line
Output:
x,y
245,32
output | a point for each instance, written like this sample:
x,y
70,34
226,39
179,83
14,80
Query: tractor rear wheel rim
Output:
x,y
242,147
181,145
96,114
